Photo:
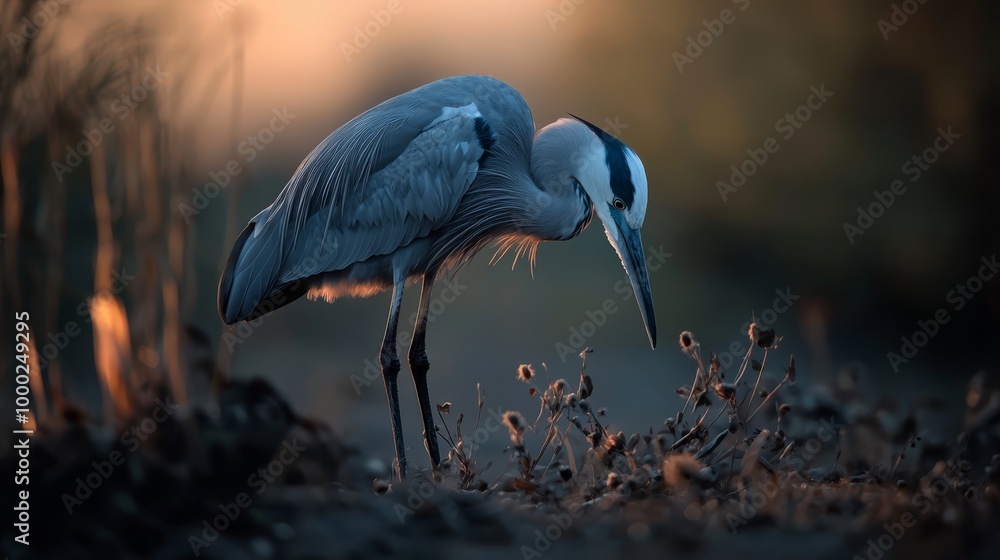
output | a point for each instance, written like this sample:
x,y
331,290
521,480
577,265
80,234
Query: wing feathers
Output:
x,y
389,176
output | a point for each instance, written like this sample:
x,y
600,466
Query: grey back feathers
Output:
x,y
395,174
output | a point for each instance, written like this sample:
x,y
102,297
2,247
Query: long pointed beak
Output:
x,y
628,243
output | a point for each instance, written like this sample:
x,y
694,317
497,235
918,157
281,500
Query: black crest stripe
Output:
x,y
621,175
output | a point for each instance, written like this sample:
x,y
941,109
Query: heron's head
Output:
x,y
614,179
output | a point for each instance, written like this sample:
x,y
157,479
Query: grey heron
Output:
x,y
416,186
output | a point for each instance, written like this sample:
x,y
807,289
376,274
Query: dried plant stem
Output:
x,y
12,213
481,401
697,374
743,365
546,369
237,68
686,437
569,452
172,349
102,218
55,252
749,398
114,375
549,436
899,458
767,398
716,419
553,456
447,435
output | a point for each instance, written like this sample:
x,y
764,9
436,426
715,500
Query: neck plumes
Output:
x,y
561,157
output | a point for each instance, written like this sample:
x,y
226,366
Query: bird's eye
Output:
x,y
619,204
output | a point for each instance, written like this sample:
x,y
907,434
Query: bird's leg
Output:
x,y
419,364
390,372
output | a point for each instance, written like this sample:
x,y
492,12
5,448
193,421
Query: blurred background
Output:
x,y
137,139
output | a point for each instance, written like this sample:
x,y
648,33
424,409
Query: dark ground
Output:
x,y
833,478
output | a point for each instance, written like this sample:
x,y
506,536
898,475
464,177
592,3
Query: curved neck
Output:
x,y
560,208
558,214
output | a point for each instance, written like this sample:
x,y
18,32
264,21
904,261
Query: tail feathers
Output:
x,y
251,271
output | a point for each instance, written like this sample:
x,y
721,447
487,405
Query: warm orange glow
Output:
x,y
36,383
113,353
333,290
